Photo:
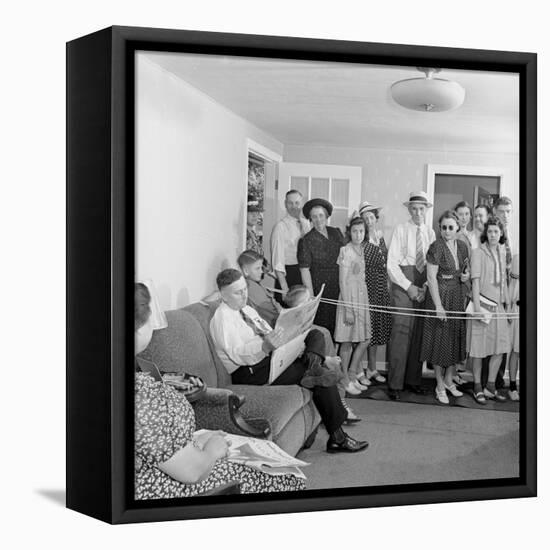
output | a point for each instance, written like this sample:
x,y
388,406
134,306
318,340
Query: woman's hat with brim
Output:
x,y
316,202
366,206
418,197
253,205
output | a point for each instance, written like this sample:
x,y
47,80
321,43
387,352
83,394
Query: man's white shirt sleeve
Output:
x,y
236,344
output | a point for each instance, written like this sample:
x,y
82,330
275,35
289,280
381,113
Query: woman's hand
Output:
x,y
202,439
349,316
440,313
216,447
465,276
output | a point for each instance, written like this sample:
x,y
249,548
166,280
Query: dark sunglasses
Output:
x,y
449,227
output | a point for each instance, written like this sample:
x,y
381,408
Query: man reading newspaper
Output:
x,y
245,344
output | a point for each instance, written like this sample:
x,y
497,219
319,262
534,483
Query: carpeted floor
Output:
x,y
413,443
379,392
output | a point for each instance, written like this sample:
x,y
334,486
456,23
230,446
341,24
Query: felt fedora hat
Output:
x,y
418,197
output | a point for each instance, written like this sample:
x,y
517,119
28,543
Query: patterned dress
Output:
x,y
358,294
376,277
320,255
164,423
444,342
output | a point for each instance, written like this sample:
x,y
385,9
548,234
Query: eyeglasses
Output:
x,y
448,227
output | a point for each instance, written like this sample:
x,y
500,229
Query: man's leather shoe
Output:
x,y
394,395
348,445
414,388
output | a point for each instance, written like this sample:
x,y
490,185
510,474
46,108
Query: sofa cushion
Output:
x,y
182,347
203,313
277,404
301,425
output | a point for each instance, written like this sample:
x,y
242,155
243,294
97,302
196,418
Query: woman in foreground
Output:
x,y
170,461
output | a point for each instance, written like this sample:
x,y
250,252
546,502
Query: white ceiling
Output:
x,y
349,105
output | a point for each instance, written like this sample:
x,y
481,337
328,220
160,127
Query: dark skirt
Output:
x,y
444,342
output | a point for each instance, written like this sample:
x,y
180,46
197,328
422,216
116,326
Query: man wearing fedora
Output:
x,y
407,272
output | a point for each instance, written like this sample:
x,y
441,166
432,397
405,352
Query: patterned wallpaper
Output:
x,y
390,175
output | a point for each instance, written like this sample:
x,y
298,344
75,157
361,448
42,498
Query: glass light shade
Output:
x,y
428,94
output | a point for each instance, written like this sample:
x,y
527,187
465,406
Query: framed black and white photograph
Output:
x,y
297,263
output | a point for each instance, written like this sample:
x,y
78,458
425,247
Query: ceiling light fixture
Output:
x,y
428,94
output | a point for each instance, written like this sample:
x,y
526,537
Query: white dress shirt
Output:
x,y
284,241
402,250
236,342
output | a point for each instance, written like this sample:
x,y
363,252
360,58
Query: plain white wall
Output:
x,y
191,173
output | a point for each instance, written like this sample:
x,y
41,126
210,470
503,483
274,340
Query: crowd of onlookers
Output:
x,y
411,295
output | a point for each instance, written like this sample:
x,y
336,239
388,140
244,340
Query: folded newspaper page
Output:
x,y
295,324
262,455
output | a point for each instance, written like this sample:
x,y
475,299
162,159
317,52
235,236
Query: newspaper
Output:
x,y
262,455
295,324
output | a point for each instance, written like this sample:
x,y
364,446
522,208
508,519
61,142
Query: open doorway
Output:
x,y
448,184
450,189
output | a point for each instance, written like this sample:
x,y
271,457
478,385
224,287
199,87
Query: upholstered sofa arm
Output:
x,y
219,409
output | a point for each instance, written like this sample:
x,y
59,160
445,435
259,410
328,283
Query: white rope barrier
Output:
x,y
412,312
408,312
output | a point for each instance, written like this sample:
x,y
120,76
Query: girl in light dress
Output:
x,y
492,339
353,325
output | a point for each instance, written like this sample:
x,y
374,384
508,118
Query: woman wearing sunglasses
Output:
x,y
444,337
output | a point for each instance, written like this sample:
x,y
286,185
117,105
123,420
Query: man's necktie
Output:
x,y
259,326
420,260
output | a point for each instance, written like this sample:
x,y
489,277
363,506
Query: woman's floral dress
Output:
x,y
164,423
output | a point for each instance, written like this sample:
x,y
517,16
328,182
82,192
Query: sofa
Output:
x,y
284,414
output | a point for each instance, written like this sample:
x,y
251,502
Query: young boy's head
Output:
x,y
296,296
251,264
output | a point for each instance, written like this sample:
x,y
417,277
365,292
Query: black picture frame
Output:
x,y
100,260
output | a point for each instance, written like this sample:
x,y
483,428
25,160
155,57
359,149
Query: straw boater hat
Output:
x,y
316,202
253,205
366,206
418,197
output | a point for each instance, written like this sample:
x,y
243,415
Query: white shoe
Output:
x,y
453,391
513,395
351,415
352,389
376,375
441,396
364,381
359,386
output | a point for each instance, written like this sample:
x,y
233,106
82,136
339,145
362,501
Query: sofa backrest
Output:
x,y
184,346
203,313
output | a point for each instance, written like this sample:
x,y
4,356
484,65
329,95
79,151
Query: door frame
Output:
x,y
432,170
272,160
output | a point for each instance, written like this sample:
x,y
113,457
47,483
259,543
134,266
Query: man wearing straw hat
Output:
x,y
407,272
